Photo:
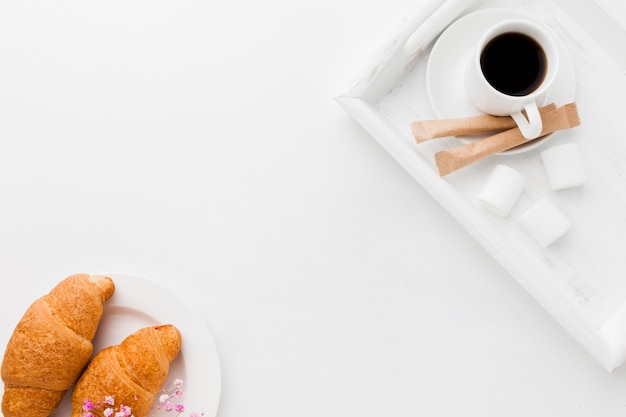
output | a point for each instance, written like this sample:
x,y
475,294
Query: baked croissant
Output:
x,y
51,345
132,372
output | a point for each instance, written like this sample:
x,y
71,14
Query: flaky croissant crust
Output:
x,y
51,345
133,371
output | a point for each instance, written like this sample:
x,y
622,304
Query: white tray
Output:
x,y
580,279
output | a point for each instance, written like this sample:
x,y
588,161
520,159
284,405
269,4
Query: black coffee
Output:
x,y
514,64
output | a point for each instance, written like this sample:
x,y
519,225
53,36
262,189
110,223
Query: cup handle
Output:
x,y
530,124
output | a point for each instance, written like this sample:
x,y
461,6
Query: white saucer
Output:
x,y
445,70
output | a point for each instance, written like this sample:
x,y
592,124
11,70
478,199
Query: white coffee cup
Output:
x,y
511,72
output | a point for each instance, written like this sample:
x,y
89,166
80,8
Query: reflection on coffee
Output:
x,y
513,63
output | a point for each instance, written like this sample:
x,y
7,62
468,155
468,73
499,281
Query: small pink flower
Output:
x,y
109,400
164,403
87,405
108,412
87,414
125,410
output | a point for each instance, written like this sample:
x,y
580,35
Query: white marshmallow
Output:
x,y
545,222
501,191
564,166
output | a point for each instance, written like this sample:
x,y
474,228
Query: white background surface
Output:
x,y
198,144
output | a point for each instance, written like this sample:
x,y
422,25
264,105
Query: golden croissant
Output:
x,y
51,345
132,372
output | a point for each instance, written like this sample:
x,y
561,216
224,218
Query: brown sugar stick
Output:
x,y
424,130
453,159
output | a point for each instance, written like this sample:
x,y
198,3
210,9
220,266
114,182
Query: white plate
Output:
x,y
448,59
139,302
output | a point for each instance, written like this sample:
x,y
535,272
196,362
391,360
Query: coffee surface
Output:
x,y
513,63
